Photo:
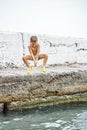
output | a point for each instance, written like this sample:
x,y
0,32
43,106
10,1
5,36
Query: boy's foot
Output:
x,y
43,69
30,70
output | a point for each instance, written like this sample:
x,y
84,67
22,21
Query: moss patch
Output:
x,y
41,102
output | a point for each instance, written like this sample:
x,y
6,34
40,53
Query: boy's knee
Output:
x,y
46,56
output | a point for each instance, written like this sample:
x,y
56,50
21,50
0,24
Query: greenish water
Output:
x,y
72,117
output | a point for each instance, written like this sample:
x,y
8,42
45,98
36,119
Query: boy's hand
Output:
x,y
36,62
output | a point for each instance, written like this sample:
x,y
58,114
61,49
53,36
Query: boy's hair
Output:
x,y
33,38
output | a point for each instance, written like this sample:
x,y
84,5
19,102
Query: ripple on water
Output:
x,y
50,124
17,119
17,129
6,122
0,127
61,121
34,125
67,128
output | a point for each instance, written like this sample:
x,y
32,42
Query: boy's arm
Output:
x,y
31,53
38,51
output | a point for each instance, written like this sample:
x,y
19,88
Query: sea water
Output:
x,y
64,117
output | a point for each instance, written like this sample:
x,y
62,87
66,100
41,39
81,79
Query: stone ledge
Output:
x,y
48,101
17,85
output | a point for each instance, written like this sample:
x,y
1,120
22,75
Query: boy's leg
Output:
x,y
44,57
26,59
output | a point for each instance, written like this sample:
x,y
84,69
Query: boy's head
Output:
x,y
33,39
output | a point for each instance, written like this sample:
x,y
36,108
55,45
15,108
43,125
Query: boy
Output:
x,y
34,49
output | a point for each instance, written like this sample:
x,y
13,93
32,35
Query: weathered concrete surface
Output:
x,y
60,83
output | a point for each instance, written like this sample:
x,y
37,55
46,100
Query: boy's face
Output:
x,y
33,41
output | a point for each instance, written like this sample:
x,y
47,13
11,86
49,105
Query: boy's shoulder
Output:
x,y
37,44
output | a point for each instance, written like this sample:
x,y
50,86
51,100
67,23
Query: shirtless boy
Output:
x,y
34,50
